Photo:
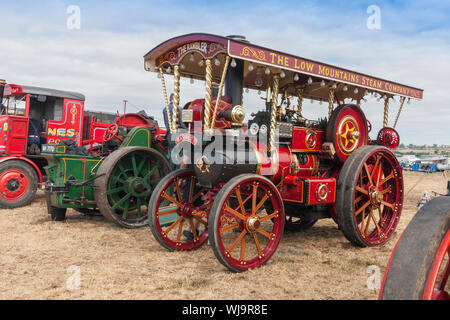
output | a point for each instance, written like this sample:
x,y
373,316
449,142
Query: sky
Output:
x,y
104,58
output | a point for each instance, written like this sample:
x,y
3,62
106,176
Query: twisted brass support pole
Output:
x,y
330,101
208,78
166,101
273,115
219,94
280,109
176,98
399,111
300,103
386,112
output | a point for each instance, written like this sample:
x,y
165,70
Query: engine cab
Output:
x,y
33,116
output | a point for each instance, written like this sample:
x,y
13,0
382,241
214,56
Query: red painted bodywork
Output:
x,y
71,125
198,112
298,181
307,140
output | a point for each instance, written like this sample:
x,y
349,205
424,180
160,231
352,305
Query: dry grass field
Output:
x,y
115,263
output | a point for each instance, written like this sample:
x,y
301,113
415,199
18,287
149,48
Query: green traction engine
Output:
x,y
113,175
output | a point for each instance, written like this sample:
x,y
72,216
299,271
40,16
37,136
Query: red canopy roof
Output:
x,y
207,46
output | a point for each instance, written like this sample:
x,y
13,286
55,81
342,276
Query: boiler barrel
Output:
x,y
221,166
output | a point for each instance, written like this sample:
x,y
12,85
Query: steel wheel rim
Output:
x,y
130,186
378,198
439,274
232,218
179,188
14,184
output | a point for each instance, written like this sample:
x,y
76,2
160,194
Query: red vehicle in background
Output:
x,y
31,117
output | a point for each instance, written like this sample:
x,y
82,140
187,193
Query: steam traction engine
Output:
x,y
113,173
282,171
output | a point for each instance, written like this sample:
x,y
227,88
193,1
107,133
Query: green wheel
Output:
x,y
127,179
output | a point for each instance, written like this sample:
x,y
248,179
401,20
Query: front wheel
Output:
x,y
18,184
243,234
178,212
369,196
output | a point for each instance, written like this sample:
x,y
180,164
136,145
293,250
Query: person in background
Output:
x,y
166,119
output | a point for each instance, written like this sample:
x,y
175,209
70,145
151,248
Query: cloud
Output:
x,y
104,60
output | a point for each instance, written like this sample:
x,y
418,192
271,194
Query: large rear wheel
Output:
x,y
243,235
18,183
419,267
127,179
369,196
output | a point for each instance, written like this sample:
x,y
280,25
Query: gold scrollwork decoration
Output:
x,y
167,57
259,55
215,47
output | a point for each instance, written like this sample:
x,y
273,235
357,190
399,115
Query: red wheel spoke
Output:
x,y
362,221
375,221
363,191
255,190
180,228
258,246
199,219
191,190
177,186
194,231
239,197
362,208
198,195
387,190
268,217
263,200
165,195
380,213
389,177
173,225
368,174
234,212
357,200
227,228
379,172
264,233
376,164
242,257
166,213
367,226
387,204
238,239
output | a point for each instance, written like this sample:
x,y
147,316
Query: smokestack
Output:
x,y
2,87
